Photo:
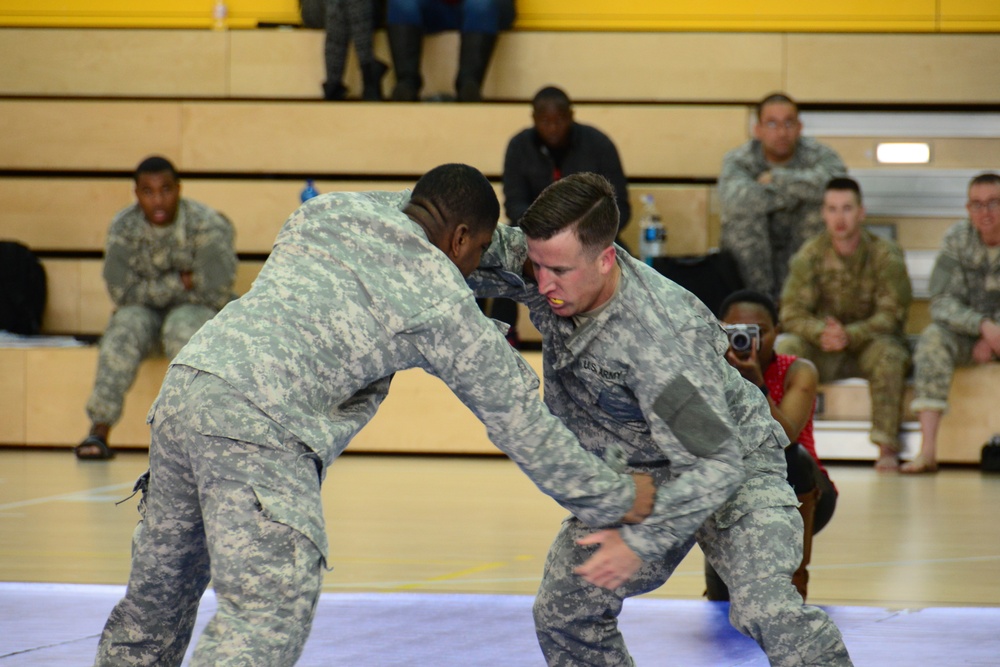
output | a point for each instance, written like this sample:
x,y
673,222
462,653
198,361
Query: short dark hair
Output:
x,y
844,183
750,296
985,178
776,98
585,201
551,95
155,164
463,193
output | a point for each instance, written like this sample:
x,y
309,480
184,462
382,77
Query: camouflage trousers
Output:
x,y
763,242
134,333
756,555
939,352
246,515
884,362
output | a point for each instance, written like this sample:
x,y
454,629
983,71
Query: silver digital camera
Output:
x,y
743,337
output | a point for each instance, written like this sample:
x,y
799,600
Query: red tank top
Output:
x,y
774,378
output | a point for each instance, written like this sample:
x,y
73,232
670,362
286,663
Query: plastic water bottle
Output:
x,y
309,191
652,233
219,15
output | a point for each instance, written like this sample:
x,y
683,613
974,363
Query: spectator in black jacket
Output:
x,y
554,147
557,146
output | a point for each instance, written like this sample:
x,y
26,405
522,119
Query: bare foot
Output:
x,y
919,466
888,460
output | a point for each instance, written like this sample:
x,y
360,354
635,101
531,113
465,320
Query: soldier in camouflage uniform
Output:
x,y
169,265
844,308
770,190
965,307
258,405
634,362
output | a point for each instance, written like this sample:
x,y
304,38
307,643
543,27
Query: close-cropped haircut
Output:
x,y
584,201
776,98
551,95
750,296
463,193
155,164
985,178
844,183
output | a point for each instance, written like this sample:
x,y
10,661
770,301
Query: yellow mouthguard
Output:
x,y
558,302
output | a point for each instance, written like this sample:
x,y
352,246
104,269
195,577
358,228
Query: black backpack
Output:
x,y
23,289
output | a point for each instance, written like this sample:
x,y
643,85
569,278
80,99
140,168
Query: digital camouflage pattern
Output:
x,y
153,311
647,377
965,288
269,392
763,225
870,294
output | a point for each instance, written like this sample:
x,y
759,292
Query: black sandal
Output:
x,y
90,441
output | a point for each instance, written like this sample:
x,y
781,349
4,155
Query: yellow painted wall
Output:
x,y
626,15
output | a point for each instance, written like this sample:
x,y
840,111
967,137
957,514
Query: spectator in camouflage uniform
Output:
x,y
633,362
169,265
256,408
770,190
965,308
844,308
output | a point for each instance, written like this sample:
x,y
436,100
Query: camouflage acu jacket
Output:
x,y
965,284
647,376
143,262
868,292
352,292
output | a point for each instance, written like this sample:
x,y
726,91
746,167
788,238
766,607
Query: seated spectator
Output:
x,y
555,146
770,190
790,386
169,264
965,308
844,308
480,21
347,21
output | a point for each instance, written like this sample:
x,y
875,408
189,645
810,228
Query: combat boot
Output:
x,y
406,42
474,56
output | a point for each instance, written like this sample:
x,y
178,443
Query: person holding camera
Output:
x,y
844,307
789,383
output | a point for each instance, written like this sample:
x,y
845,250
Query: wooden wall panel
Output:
x,y
654,66
13,376
59,382
591,66
684,211
918,233
675,66
893,68
284,63
62,309
654,141
146,63
61,213
972,417
84,135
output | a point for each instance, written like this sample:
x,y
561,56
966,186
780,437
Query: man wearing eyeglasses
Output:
x,y
771,189
965,309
